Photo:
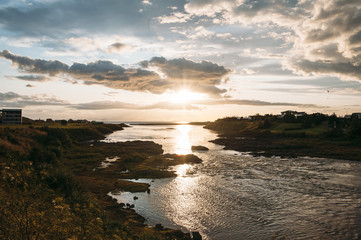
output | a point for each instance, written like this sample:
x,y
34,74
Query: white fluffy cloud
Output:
x,y
327,34
329,41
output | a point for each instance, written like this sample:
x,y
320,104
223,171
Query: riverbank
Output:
x,y
66,167
286,139
290,147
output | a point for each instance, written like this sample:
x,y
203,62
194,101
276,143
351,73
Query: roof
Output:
x,y
11,110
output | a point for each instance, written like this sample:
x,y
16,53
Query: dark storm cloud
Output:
x,y
176,74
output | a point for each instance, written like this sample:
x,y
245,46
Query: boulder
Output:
x,y
199,148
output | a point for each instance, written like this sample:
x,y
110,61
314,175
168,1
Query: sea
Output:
x,y
234,195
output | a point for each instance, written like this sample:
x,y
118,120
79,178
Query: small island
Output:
x,y
199,148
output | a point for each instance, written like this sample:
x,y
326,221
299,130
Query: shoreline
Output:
x,y
102,181
289,147
311,135
64,162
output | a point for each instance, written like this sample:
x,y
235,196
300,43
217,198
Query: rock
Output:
x,y
199,148
131,206
148,191
135,197
196,236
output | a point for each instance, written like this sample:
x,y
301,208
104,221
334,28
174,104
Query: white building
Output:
x,y
12,116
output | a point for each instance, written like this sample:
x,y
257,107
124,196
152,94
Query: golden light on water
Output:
x,y
182,140
182,170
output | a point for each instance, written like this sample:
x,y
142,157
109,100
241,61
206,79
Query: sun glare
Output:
x,y
184,96
183,144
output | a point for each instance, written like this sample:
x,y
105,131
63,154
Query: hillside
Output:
x,y
316,135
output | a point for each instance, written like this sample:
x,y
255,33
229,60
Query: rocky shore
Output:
x,y
291,148
50,166
135,159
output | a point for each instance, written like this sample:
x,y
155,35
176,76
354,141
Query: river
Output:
x,y
233,195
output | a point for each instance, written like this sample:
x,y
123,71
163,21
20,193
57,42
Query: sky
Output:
x,y
179,60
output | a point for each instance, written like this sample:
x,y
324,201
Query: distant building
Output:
x,y
294,113
13,116
356,115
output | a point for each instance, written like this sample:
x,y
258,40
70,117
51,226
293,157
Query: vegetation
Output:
x,y
315,134
51,188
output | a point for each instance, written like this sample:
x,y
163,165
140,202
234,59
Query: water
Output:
x,y
233,195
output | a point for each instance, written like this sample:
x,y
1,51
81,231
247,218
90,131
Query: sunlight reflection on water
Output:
x,y
182,143
233,195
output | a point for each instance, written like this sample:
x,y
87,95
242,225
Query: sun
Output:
x,y
184,96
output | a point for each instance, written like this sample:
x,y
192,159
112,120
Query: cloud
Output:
x,y
119,47
253,103
343,70
68,16
326,34
11,99
329,41
247,11
9,96
268,69
104,105
174,17
324,83
157,75
147,2
34,78
183,73
35,65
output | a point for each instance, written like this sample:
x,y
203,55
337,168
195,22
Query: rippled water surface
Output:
x,y
233,195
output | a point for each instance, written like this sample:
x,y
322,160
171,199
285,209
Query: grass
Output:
x,y
57,156
285,127
296,128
